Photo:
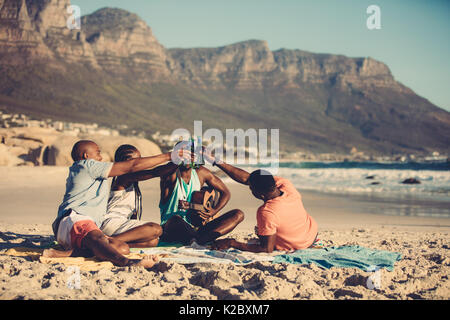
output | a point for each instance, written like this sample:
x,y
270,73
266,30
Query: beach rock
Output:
x,y
8,158
411,181
42,146
29,137
108,145
59,151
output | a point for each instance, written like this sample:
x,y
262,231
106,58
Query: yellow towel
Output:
x,y
85,264
34,254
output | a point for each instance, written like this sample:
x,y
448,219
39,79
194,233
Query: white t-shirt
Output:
x,y
121,203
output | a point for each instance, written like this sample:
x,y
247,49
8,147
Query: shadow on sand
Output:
x,y
13,240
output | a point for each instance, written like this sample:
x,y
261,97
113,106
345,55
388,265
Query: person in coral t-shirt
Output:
x,y
286,217
282,221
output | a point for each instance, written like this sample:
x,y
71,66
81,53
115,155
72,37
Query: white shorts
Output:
x,y
114,226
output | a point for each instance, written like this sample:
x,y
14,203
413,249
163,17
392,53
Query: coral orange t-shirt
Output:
x,y
286,217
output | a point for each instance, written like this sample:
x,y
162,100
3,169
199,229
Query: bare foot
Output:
x,y
148,261
53,253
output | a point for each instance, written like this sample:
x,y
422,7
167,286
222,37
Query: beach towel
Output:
x,y
344,257
179,254
85,264
201,254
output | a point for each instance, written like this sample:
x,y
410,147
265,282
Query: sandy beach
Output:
x,y
29,197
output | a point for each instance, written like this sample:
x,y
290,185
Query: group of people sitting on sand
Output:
x,y
103,219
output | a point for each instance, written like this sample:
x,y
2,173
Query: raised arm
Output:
x,y
238,175
234,173
159,171
138,164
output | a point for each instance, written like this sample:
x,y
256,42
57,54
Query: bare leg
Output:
x,y
141,237
110,249
219,226
119,245
105,248
148,244
77,252
177,230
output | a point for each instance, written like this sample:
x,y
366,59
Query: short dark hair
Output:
x,y
124,152
262,181
78,149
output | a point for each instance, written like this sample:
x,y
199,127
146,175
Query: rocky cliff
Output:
x,y
121,43
138,81
251,65
110,40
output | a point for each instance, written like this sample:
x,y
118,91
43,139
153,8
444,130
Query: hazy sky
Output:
x,y
413,40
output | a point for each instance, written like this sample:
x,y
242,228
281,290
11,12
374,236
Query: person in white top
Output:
x,y
123,216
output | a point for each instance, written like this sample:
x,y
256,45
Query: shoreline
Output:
x,y
373,159
21,188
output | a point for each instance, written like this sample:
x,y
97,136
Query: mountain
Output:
x,y
114,71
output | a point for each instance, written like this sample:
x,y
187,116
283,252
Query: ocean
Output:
x,y
375,182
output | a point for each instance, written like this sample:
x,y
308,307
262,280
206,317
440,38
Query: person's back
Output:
x,y
282,221
286,217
